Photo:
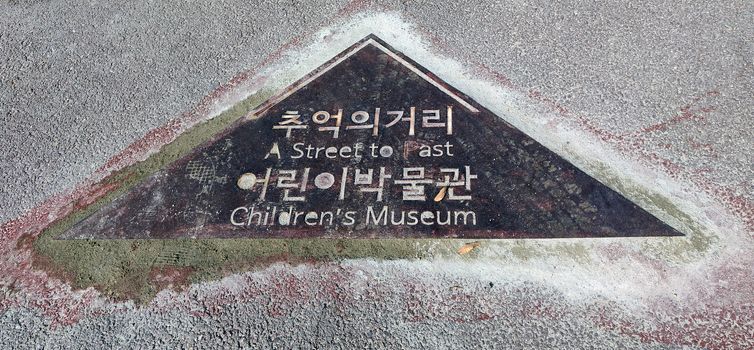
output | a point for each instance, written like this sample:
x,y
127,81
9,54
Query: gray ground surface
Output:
x,y
81,81
365,319
247,326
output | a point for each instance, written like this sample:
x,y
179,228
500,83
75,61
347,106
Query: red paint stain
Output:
x,y
686,115
545,205
354,6
170,277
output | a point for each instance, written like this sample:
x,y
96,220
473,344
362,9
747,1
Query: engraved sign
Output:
x,y
370,145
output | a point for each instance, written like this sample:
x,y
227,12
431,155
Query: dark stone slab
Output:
x,y
456,170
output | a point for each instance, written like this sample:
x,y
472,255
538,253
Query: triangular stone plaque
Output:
x,y
370,145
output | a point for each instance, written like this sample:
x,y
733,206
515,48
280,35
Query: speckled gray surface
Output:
x,y
87,79
369,312
81,81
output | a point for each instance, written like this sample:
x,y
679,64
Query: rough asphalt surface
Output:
x,y
344,321
81,81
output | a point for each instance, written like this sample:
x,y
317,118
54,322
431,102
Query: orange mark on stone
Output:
x,y
441,195
468,247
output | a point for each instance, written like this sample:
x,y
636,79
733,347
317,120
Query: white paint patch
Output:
x,y
291,90
324,181
246,181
